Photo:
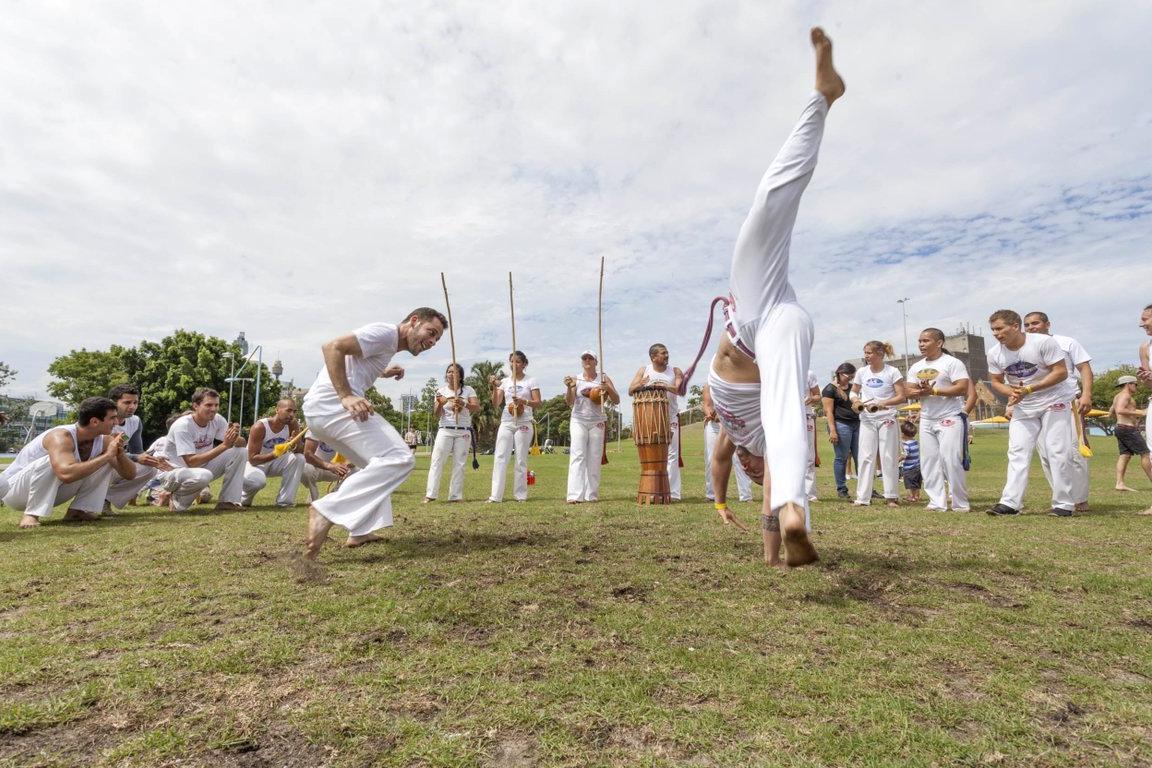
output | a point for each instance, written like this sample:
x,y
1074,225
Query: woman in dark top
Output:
x,y
843,423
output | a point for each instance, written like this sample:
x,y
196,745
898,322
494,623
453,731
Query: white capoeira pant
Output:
x,y
521,434
674,485
289,467
363,502
810,475
36,489
1078,468
451,444
121,491
878,430
186,483
1054,426
768,322
942,443
743,482
584,454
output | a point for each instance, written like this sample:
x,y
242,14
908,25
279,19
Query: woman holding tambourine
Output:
x,y
585,394
515,396
877,389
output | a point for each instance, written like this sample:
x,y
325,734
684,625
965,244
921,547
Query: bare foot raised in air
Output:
x,y
828,81
798,549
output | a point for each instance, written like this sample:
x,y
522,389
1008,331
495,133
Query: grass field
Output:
x,y
540,634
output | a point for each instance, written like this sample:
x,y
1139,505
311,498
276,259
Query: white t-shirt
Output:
x,y
944,371
464,417
129,428
521,389
187,437
813,383
584,411
378,343
738,407
877,386
1028,365
159,447
1074,355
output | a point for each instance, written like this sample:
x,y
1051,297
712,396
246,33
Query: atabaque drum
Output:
x,y
652,432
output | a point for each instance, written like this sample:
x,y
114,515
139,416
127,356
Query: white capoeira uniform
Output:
x,y
810,416
586,430
453,439
878,429
513,430
767,323
942,434
289,467
1074,355
668,377
31,487
312,476
185,483
121,491
743,482
363,502
1041,416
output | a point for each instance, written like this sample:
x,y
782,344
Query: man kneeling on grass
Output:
x,y
73,463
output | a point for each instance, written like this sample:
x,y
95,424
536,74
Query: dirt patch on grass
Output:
x,y
985,595
513,752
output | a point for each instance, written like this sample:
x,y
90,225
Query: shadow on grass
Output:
x,y
415,547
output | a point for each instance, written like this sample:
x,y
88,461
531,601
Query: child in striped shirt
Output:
x,y
910,461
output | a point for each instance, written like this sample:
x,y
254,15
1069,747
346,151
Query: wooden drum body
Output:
x,y
652,432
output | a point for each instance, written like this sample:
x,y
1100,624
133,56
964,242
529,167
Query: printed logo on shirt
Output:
x,y
326,448
202,441
271,443
874,382
1022,369
928,374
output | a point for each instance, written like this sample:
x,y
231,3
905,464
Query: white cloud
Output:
x,y
294,171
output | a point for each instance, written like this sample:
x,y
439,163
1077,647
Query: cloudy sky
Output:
x,y
294,170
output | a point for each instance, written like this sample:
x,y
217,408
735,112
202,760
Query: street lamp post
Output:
x,y
904,310
231,378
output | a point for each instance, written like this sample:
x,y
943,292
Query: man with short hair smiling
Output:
x,y
1079,364
1029,369
121,491
73,462
340,415
209,447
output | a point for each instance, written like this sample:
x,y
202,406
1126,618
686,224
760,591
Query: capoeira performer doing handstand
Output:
x,y
759,376
338,414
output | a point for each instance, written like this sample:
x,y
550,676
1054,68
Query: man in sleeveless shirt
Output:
x,y
660,375
340,415
759,375
263,462
70,463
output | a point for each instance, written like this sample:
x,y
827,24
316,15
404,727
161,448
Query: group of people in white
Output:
x,y
758,403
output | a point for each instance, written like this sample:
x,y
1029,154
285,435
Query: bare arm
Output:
x,y
722,452
637,382
61,455
255,443
971,399
1086,382
569,391
900,396
677,379
610,388
473,404
534,400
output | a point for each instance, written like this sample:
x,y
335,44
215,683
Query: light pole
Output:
x,y
904,310
231,378
242,344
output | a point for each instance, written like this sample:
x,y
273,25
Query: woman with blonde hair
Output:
x,y
877,388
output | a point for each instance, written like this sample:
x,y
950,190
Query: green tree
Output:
x,y
552,420
487,419
86,373
384,407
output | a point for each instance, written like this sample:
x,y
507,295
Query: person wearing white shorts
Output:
x,y
339,414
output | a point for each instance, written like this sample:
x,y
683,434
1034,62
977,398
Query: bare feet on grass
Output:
x,y
80,516
29,521
828,80
1122,487
359,541
318,526
798,549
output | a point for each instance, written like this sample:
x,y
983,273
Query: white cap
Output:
x,y
1126,380
589,353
